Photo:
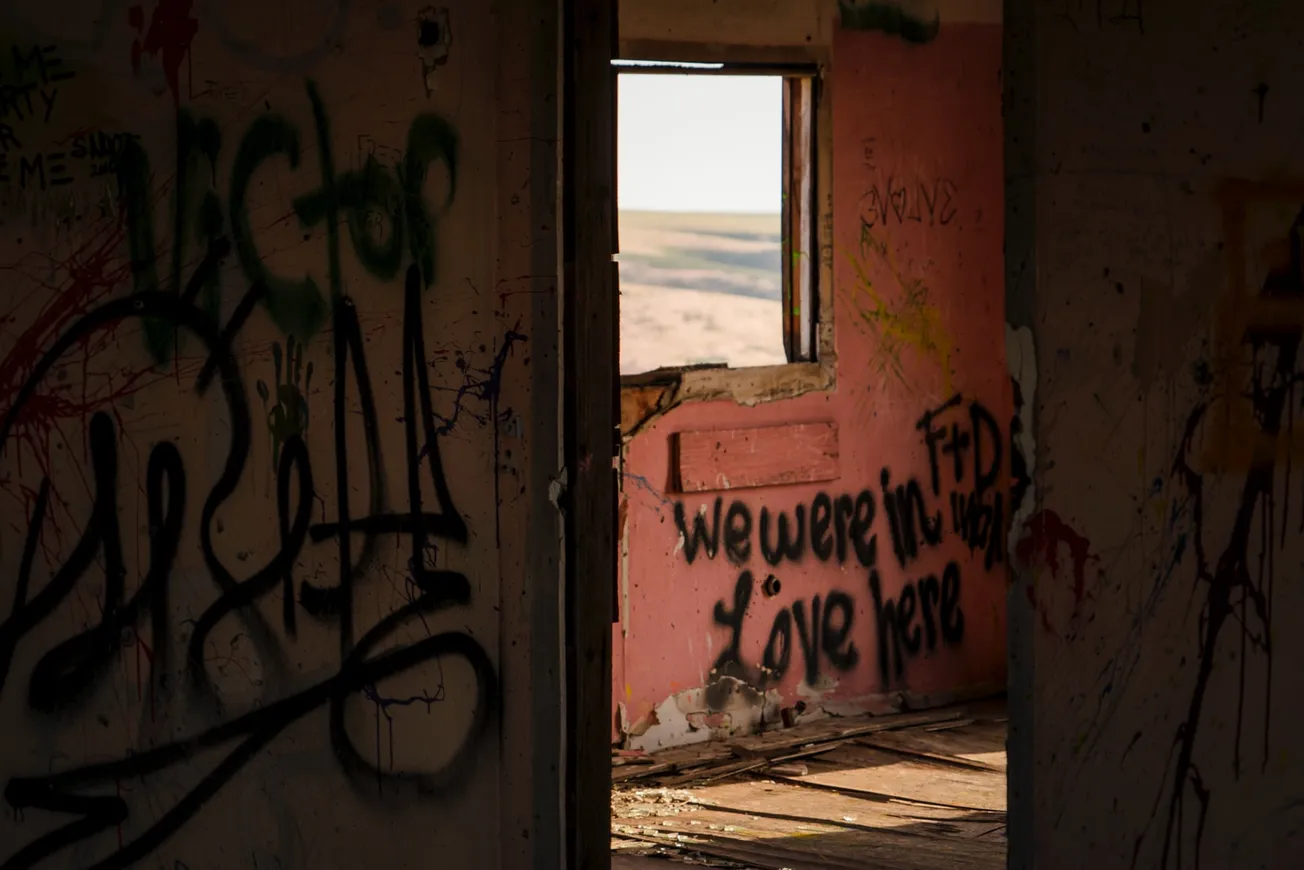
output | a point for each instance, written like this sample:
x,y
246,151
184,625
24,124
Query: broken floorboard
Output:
x,y
912,791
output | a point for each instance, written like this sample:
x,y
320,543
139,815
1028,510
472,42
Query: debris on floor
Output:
x,y
910,791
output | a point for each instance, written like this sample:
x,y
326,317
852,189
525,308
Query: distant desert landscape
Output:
x,y
699,288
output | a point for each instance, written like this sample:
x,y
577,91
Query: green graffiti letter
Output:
x,y
133,182
196,141
371,196
296,307
430,139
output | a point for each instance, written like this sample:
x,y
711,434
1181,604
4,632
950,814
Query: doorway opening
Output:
x,y
812,510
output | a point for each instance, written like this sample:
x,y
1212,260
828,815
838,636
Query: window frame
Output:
x,y
808,242
800,305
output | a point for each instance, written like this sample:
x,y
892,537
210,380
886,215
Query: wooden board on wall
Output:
x,y
722,459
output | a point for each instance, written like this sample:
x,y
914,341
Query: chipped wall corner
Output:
x,y
723,708
645,398
434,40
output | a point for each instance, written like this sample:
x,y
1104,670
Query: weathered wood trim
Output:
x,y
752,386
591,364
646,397
741,22
710,460
722,52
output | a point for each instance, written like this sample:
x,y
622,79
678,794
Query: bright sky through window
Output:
x,y
699,143
700,162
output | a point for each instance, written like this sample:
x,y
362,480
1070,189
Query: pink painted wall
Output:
x,y
919,318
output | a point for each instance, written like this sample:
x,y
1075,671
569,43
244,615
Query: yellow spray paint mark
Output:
x,y
906,321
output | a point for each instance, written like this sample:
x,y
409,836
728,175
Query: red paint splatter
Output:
x,y
171,31
1044,534
93,273
1041,610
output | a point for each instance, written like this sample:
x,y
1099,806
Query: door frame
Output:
x,y
591,399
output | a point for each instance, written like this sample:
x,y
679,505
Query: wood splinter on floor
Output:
x,y
910,791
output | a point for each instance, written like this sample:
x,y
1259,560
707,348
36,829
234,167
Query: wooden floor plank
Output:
x,y
893,793
981,742
860,767
817,848
988,762
680,762
785,799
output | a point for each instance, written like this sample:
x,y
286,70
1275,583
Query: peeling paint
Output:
x,y
434,39
691,716
1021,358
641,727
624,567
814,695
646,398
725,708
557,489
641,405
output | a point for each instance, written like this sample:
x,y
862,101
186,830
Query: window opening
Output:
x,y
716,185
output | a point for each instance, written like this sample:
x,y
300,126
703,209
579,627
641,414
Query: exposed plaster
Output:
x,y
434,39
624,566
814,695
647,397
690,716
557,489
696,716
640,405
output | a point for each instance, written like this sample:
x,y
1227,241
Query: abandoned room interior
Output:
x,y
740,433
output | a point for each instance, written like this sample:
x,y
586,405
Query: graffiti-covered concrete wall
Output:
x,y
268,455
841,547
1155,279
